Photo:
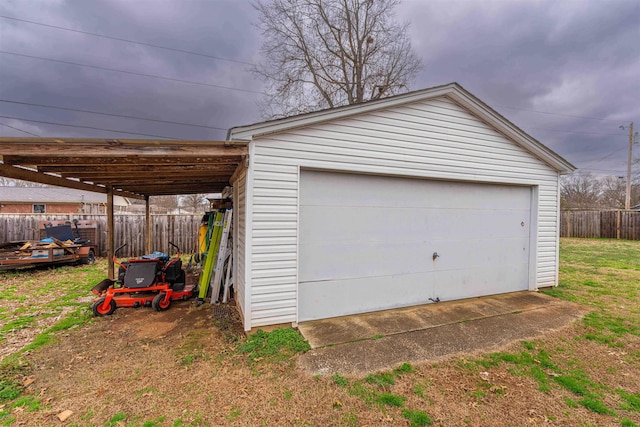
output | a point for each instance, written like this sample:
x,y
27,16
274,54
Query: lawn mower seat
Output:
x,y
172,272
140,275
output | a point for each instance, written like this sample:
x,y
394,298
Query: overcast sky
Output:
x,y
566,72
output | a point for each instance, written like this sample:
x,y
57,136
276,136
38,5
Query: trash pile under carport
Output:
x,y
49,251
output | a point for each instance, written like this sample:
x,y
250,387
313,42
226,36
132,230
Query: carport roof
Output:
x,y
135,168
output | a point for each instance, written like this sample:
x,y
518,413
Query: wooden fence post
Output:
x,y
618,224
110,234
568,223
147,226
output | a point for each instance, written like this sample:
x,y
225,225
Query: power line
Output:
x,y
577,133
558,114
129,41
110,114
130,72
18,129
606,155
602,170
87,127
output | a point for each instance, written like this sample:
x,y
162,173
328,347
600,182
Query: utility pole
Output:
x,y
627,198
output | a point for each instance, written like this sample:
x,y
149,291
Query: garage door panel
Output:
x,y
444,224
340,297
366,242
351,296
387,223
353,259
381,191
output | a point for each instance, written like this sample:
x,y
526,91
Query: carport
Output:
x,y
134,168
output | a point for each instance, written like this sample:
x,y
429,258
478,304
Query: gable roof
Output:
x,y
55,195
453,91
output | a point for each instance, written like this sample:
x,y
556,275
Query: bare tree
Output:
x,y
164,204
613,191
580,191
194,203
326,53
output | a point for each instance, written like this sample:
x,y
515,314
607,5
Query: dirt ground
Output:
x,y
179,367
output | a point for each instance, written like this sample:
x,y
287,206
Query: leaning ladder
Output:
x,y
222,256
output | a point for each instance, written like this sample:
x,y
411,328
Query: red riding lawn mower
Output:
x,y
153,280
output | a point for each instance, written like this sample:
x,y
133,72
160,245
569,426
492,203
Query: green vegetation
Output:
x,y
632,401
29,403
235,413
376,389
18,323
417,418
383,379
390,399
594,404
278,345
405,368
419,390
191,349
340,380
113,422
76,318
9,390
158,422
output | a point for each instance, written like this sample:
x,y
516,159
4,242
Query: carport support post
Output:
x,y
147,218
110,232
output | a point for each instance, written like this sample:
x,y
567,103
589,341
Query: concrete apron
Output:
x,y
369,342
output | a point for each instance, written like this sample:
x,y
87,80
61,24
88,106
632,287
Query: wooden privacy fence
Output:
x,y
616,224
130,228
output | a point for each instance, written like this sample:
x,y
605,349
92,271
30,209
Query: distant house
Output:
x,y
55,200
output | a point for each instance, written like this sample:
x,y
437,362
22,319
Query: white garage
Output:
x,y
422,197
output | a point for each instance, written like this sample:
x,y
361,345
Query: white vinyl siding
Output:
x,y
274,243
433,139
239,239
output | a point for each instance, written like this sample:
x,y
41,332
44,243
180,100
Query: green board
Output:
x,y
210,257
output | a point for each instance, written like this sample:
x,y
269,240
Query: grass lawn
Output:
x,y
142,368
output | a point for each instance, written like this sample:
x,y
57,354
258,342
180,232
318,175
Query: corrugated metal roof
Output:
x,y
54,195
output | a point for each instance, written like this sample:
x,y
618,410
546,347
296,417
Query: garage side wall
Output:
x,y
435,139
239,243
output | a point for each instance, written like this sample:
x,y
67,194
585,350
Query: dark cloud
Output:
x,y
524,58
565,72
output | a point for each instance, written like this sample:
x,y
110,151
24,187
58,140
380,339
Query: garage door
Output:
x,y
371,243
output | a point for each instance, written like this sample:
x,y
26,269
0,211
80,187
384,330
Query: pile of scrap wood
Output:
x,y
32,252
